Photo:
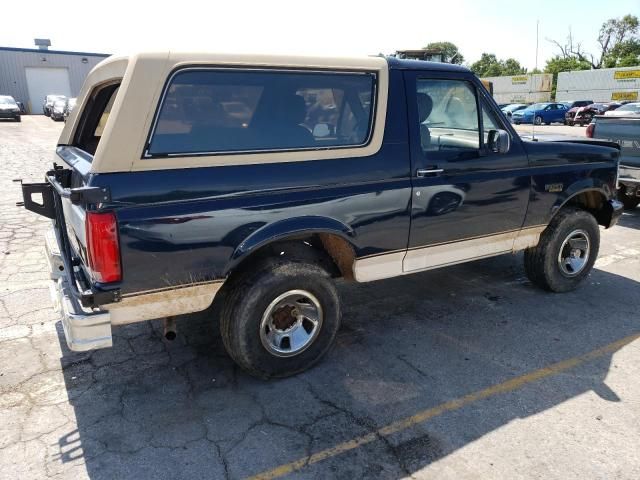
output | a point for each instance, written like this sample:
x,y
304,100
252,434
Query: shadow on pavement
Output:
x,y
148,409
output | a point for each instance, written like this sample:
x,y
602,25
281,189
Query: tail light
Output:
x,y
103,248
590,129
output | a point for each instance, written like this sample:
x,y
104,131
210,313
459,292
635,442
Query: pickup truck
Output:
x,y
182,179
625,131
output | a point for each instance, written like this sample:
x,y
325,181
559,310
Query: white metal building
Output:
x,y
28,75
602,85
525,88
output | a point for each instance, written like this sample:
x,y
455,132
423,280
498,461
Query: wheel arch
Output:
x,y
311,237
592,198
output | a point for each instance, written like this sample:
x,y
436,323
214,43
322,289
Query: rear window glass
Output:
x,y
217,111
94,117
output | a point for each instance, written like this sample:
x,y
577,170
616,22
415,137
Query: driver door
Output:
x,y
467,201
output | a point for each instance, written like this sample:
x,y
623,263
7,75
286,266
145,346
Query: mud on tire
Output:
x,y
252,296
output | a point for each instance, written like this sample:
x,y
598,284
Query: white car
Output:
x,y
628,110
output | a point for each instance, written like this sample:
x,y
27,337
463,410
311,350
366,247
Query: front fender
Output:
x,y
288,228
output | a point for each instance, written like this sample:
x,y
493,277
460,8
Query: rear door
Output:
x,y
467,201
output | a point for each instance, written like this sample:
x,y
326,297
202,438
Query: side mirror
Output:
x,y
499,141
321,130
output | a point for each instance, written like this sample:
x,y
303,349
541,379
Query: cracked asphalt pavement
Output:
x,y
149,409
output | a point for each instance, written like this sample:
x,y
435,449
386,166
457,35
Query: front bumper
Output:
x,y
613,211
9,114
84,329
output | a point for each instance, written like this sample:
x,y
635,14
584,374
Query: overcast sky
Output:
x,y
315,27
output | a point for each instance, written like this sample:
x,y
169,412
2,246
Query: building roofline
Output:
x,y
58,52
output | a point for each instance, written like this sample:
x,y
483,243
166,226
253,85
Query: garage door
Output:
x,y
43,81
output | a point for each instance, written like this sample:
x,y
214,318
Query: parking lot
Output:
x,y
464,372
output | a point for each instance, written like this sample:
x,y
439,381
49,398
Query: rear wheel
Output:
x,y
566,252
280,318
538,120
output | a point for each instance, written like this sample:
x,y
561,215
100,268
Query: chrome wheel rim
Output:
x,y
291,323
574,253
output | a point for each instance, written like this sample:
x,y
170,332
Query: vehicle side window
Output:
x,y
217,111
94,117
489,121
447,116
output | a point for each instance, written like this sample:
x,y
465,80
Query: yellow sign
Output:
x,y
519,79
624,96
626,74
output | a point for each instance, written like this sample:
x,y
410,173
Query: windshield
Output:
x,y
629,107
8,101
511,108
535,106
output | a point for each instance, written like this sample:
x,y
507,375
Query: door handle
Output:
x,y
424,172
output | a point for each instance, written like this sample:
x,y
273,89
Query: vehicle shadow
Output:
x,y
151,409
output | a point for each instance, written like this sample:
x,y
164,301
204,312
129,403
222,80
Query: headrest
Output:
x,y
425,105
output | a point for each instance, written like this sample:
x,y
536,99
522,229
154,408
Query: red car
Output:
x,y
583,115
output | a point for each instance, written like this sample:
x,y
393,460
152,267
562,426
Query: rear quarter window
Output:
x,y
212,111
94,117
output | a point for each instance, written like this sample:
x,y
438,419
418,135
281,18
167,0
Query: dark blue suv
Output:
x,y
255,181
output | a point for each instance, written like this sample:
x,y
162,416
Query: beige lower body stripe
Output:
x,y
164,303
434,256
450,406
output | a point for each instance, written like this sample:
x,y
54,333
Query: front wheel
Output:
x,y
566,252
280,319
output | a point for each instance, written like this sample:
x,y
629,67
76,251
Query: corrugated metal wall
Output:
x,y
526,88
602,85
13,80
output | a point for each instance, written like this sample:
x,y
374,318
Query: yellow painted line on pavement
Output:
x,y
455,404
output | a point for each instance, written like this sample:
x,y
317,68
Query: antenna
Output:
x,y
533,121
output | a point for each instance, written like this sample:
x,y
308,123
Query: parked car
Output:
x,y
49,100
625,131
576,103
9,108
627,110
164,202
57,110
584,115
68,108
513,107
540,113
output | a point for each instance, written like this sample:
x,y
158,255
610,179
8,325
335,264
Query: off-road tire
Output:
x,y
541,262
628,201
248,298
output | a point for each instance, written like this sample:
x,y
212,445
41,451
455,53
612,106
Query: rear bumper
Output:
x,y
84,329
629,175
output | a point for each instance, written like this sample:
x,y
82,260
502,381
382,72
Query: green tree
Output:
x,y
490,66
512,67
559,64
618,42
618,39
450,52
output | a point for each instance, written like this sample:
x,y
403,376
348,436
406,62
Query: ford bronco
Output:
x,y
183,179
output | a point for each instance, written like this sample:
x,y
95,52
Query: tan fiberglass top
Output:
x,y
142,79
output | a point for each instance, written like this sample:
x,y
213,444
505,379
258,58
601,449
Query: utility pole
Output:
x,y
537,25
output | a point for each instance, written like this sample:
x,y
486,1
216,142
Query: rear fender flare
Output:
x,y
285,229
